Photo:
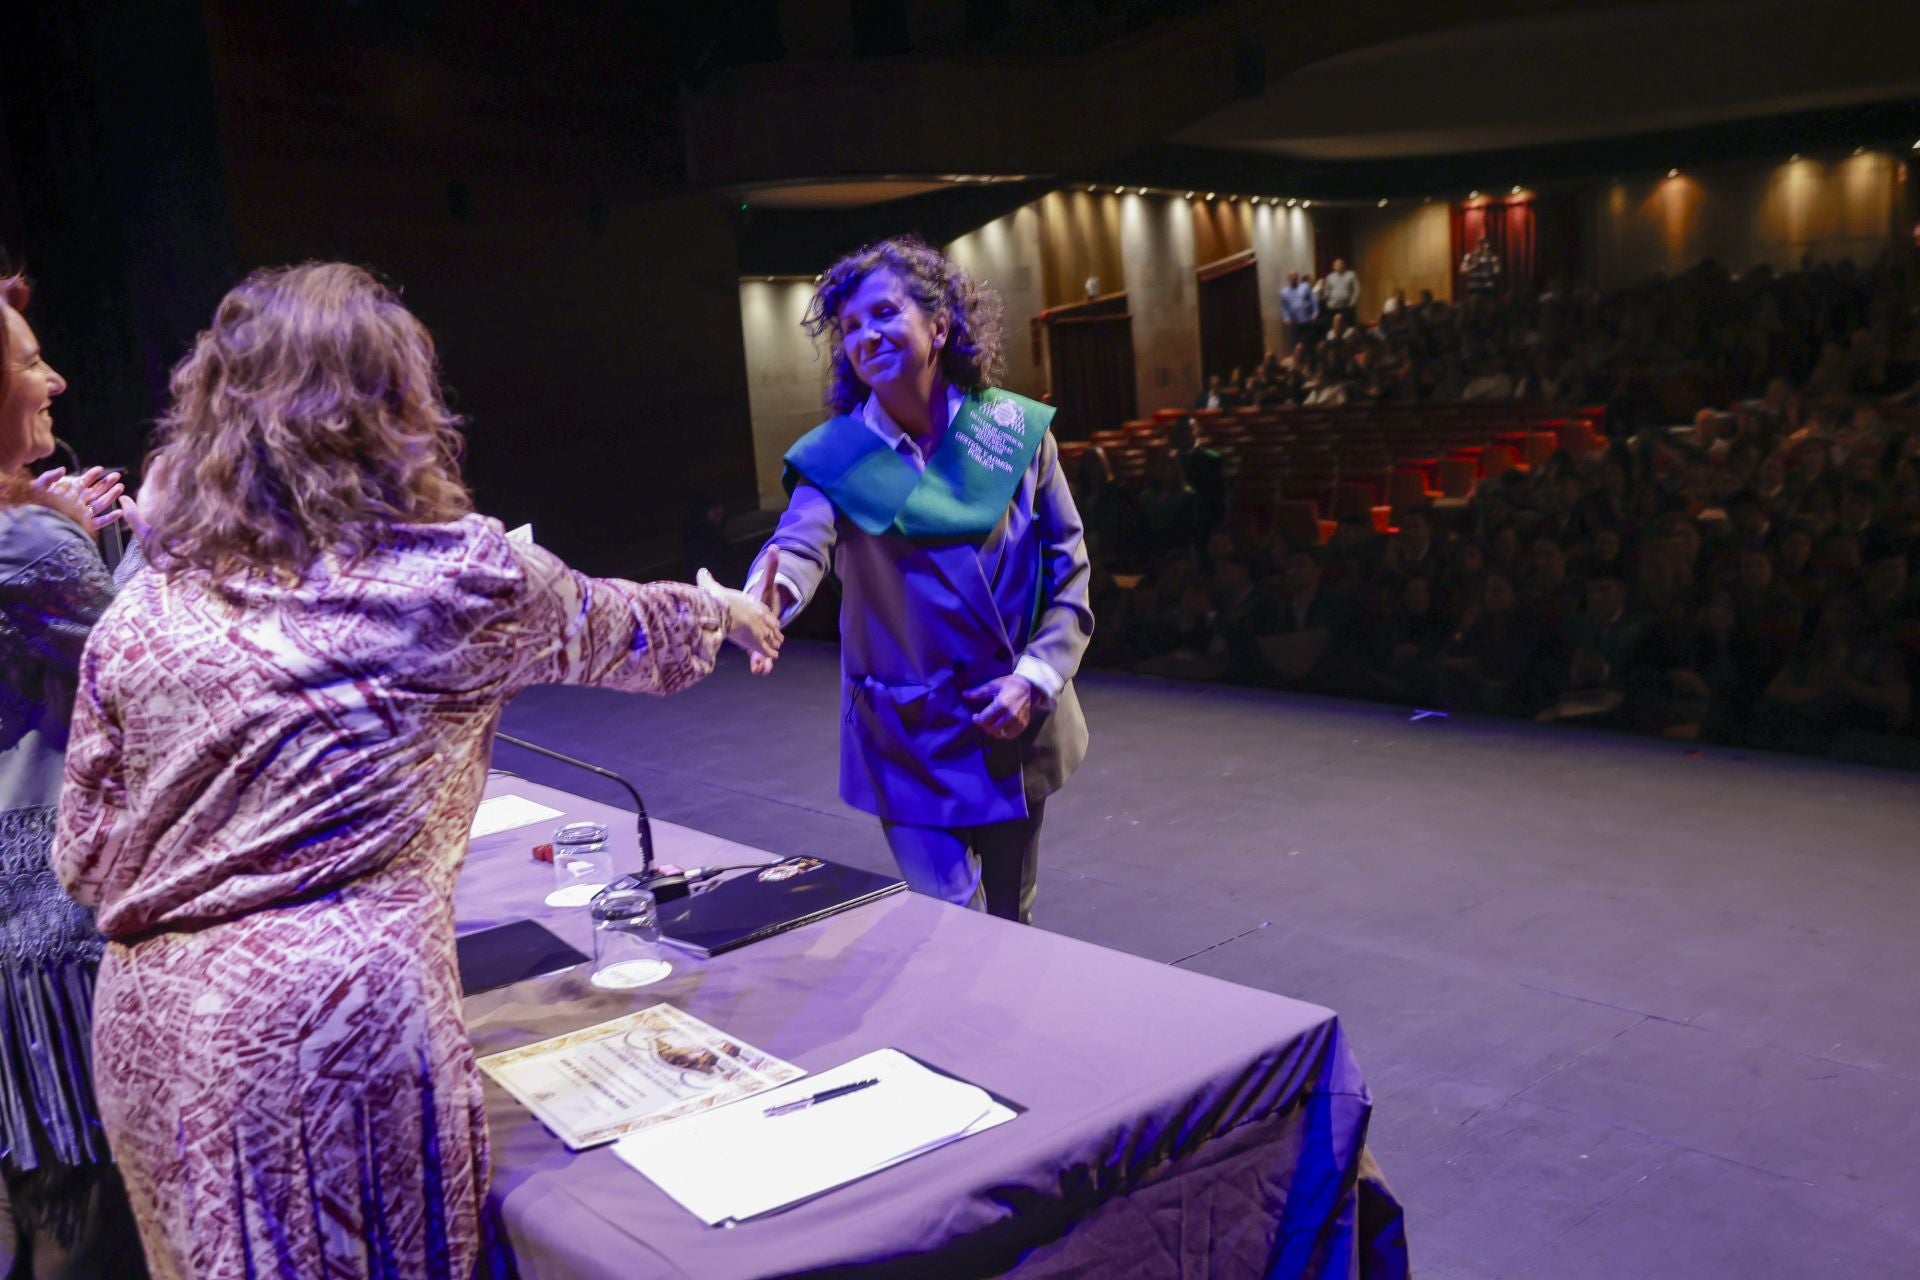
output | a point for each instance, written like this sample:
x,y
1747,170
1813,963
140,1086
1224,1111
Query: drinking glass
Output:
x,y
626,939
582,864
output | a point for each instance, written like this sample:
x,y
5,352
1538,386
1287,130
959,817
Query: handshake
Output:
x,y
753,621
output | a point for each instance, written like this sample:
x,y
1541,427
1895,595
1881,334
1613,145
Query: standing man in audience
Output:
x,y
1299,311
1340,293
1481,270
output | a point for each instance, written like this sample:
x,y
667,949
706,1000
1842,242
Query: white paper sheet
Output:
x,y
504,813
736,1161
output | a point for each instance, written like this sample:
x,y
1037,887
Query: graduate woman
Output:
x,y
938,501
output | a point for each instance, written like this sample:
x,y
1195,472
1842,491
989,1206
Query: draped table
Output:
x,y
1173,1124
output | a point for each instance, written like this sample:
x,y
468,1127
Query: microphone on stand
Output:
x,y
665,886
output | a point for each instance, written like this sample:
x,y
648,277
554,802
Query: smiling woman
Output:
x,y
894,273
66,1202
938,501
26,403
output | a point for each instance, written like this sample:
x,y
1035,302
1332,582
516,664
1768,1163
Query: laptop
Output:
x,y
758,904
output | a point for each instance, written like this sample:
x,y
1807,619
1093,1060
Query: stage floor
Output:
x,y
1628,1008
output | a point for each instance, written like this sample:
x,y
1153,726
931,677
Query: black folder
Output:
x,y
774,899
510,953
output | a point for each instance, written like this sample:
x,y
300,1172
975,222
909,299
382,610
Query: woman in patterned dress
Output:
x,y
66,1207
280,740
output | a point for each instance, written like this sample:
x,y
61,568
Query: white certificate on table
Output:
x,y
593,1085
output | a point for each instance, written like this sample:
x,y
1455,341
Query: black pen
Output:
x,y
825,1095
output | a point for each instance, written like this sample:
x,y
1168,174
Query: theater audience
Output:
x,y
1744,575
1407,647
1490,661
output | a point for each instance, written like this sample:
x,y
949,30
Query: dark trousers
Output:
x,y
72,1222
995,867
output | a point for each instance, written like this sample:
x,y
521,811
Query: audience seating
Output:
x,y
1394,456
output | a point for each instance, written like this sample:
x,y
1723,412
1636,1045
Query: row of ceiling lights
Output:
x,y
1290,202
1293,201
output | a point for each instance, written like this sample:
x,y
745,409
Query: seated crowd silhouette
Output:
x,y
1688,508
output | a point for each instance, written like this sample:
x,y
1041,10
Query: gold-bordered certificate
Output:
x,y
593,1085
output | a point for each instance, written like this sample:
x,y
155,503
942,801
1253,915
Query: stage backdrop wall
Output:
x,y
588,325
1080,239
1222,227
1831,207
1401,247
1157,245
1006,255
786,376
1282,241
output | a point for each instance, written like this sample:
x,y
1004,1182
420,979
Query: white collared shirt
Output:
x,y
881,423
1046,681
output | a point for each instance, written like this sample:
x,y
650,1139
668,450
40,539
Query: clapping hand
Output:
x,y
96,491
750,624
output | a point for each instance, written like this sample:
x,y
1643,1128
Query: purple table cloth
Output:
x,y
1175,1125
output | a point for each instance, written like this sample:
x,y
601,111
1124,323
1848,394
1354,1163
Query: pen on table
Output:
x,y
825,1095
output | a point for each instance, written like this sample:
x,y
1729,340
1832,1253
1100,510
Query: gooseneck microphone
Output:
x,y
665,887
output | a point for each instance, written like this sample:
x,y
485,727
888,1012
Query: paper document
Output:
x,y
504,813
593,1085
736,1161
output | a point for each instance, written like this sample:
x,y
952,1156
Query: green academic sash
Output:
x,y
965,488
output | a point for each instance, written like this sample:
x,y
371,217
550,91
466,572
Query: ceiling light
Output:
x,y
1673,173
1306,204
1916,144
1516,188
1859,151
1093,191
1291,202
1189,195
1209,195
1381,205
1795,158
1473,195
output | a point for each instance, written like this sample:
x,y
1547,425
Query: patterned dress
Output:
x,y
268,794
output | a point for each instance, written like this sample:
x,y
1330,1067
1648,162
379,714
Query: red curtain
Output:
x,y
1510,226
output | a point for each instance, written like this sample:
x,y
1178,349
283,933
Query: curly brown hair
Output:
x,y
971,358
307,419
